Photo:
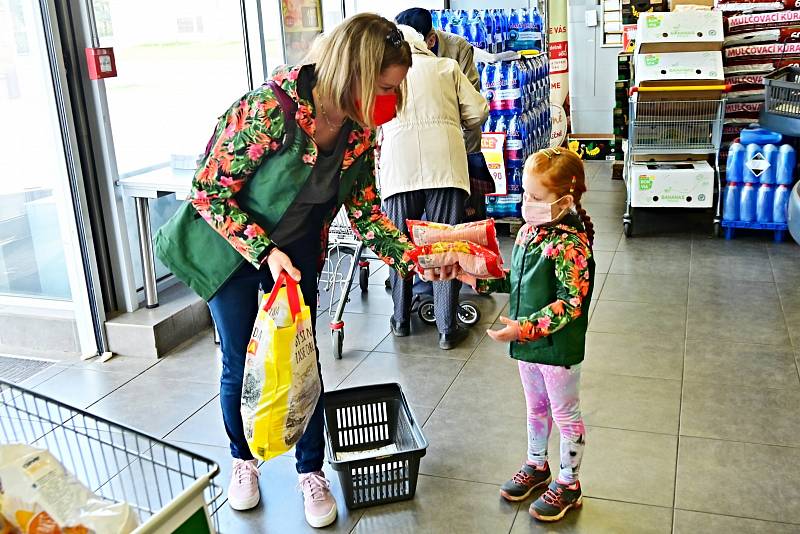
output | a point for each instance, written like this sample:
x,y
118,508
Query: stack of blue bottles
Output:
x,y
518,93
784,177
483,28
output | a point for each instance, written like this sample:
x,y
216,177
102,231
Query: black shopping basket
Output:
x,y
374,444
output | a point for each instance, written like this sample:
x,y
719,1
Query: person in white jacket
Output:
x,y
423,168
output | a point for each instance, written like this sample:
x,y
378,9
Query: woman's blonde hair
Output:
x,y
561,171
356,52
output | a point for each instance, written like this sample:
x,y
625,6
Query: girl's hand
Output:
x,y
507,334
278,261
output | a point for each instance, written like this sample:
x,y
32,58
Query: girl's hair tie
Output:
x,y
550,152
572,187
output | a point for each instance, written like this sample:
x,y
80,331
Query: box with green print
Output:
x,y
682,31
679,68
672,184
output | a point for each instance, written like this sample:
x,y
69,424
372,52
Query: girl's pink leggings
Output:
x,y
552,394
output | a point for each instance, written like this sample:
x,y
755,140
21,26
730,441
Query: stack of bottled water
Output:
x,y
493,30
519,105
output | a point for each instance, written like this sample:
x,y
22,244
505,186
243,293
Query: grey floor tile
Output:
x,y
764,366
154,405
748,268
785,264
662,245
790,303
709,322
425,342
603,260
607,241
650,264
220,455
738,413
641,288
598,208
598,516
424,380
607,224
81,387
722,291
694,522
711,247
198,360
634,355
335,371
128,365
487,386
442,505
43,376
711,478
281,507
638,318
204,427
478,447
490,351
616,198
631,403
377,301
361,332
624,465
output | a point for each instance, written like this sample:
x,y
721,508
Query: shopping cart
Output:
x,y
683,127
345,254
171,490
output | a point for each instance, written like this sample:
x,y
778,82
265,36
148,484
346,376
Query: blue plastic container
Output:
x,y
747,204
780,207
760,136
787,160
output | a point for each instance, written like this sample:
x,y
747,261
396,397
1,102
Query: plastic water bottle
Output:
x,y
514,29
490,84
733,176
513,99
444,19
466,32
436,19
514,142
538,28
488,22
747,203
787,159
501,124
514,180
500,25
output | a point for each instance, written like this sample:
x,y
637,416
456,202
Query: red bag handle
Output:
x,y
291,293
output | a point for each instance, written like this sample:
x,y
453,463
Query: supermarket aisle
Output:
x,y
691,394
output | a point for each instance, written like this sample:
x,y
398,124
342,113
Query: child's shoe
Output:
x,y
556,501
527,479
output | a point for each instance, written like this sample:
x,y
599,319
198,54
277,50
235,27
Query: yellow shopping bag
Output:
x,y
281,381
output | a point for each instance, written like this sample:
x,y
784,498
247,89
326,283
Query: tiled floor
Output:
x,y
690,391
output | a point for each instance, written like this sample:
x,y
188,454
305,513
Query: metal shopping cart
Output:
x,y
345,254
172,490
669,130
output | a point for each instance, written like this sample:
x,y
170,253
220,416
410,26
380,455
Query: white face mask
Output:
x,y
541,213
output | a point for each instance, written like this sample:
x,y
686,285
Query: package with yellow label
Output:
x,y
39,496
281,380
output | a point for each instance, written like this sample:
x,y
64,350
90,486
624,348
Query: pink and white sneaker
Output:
x,y
243,493
319,504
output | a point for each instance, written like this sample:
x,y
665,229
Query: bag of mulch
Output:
x,y
473,259
481,233
751,22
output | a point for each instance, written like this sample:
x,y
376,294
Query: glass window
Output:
x,y
180,65
34,194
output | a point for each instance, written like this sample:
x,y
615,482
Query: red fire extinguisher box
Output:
x,y
101,63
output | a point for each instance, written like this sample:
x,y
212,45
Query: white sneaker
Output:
x,y
318,502
243,493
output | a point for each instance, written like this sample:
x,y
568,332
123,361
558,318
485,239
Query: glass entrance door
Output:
x,y
41,269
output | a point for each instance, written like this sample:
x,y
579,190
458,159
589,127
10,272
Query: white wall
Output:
x,y
592,72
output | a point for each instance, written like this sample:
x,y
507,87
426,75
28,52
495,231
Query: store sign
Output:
x,y
558,132
492,147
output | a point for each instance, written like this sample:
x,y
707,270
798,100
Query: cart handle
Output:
x,y
682,88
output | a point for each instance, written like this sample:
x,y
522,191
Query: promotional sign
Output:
x,y
492,146
558,52
302,23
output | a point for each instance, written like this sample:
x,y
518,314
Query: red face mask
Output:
x,y
385,108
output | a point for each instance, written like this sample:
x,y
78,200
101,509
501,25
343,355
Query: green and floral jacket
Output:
x,y
550,282
250,176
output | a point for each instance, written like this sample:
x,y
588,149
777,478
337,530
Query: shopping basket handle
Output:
x,y
291,293
681,88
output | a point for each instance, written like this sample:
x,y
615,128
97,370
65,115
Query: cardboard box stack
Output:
x,y
675,50
760,36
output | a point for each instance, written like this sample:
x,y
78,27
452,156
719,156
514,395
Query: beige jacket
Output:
x,y
423,147
458,48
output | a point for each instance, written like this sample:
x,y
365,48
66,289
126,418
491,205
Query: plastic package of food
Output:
x,y
481,233
473,259
39,496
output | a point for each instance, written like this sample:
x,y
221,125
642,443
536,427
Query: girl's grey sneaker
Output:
x,y
527,479
557,501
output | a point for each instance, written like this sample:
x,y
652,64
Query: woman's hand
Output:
x,y
278,261
440,274
466,278
507,334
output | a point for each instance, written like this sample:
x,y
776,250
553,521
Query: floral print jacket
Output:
x,y
246,136
570,252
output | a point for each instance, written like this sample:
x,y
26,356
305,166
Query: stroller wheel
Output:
x,y
427,312
468,313
363,278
